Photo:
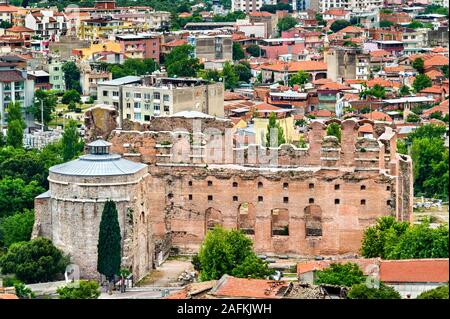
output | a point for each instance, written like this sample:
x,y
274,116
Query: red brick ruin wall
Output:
x,y
317,201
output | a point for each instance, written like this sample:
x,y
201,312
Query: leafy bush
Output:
x,y
436,293
35,261
361,291
85,289
23,292
347,275
17,227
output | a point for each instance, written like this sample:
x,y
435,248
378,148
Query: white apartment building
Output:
x,y
139,101
249,5
358,5
47,23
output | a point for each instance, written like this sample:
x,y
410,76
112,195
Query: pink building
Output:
x,y
140,46
273,48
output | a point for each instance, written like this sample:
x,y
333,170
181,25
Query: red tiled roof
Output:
x,y
364,263
437,60
378,116
381,82
336,12
266,107
18,28
334,86
11,76
8,296
231,96
379,53
434,89
394,69
443,108
175,43
185,15
260,14
323,113
414,270
433,74
351,29
321,81
297,66
8,8
231,287
366,128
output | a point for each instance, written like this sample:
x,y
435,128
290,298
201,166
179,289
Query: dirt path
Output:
x,y
167,275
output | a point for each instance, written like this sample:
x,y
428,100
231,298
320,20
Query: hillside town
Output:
x,y
220,149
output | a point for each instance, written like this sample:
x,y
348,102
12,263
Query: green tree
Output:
x,y
347,275
35,261
243,71
414,24
46,99
109,251
71,141
320,20
412,118
85,289
404,91
429,156
301,78
16,125
418,64
375,237
238,52
71,96
334,129
210,75
231,79
339,25
274,130
444,69
254,50
179,62
17,227
286,23
386,24
377,91
436,293
361,291
421,82
72,106
229,252
15,195
427,131
23,292
71,76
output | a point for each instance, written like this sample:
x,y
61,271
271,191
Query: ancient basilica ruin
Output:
x,y
172,182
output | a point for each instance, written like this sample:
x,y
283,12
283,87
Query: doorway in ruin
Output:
x,y
313,221
213,218
280,222
247,218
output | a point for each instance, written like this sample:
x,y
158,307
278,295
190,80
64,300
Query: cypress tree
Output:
x,y
16,125
274,125
109,251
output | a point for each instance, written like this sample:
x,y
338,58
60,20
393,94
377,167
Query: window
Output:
x,y
115,93
235,198
260,184
311,185
137,105
260,199
363,187
170,196
285,199
210,197
285,185
209,183
389,202
363,202
128,105
137,95
129,116
190,196
311,201
147,106
156,107
337,186
105,93
235,184
146,117
137,116
127,94
190,183
166,108
165,98
337,201
388,188
147,96
56,78
156,95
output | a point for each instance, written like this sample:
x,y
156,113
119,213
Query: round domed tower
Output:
x,y
69,213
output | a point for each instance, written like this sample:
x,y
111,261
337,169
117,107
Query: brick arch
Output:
x,y
213,218
279,221
313,221
246,218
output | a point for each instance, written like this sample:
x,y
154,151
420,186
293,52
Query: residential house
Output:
x,y
140,46
281,71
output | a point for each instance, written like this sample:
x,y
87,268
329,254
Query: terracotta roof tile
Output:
x,y
18,28
364,263
434,89
414,270
351,29
11,76
297,66
175,43
433,74
378,116
437,60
